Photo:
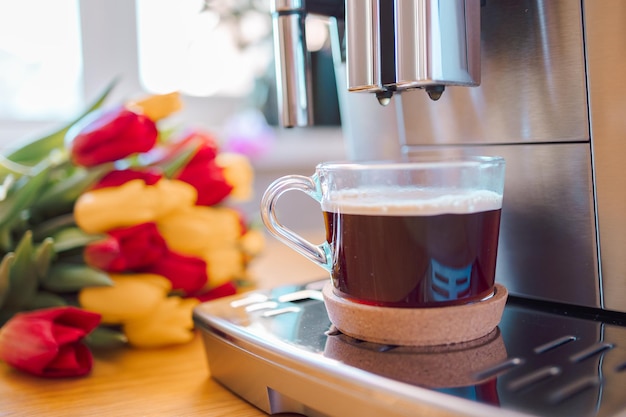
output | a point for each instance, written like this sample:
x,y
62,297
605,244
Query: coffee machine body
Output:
x,y
532,108
552,101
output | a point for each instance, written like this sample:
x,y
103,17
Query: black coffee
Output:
x,y
414,254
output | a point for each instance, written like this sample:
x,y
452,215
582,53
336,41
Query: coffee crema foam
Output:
x,y
390,202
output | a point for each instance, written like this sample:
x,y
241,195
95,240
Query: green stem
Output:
x,y
6,241
15,168
46,228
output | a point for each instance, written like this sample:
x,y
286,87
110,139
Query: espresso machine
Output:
x,y
539,82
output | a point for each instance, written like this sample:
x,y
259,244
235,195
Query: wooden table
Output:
x,y
172,381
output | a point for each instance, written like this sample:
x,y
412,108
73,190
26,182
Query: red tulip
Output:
x,y
48,342
198,138
125,249
206,177
166,152
223,290
118,177
186,273
110,135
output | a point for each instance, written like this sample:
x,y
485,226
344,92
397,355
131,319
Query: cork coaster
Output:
x,y
415,326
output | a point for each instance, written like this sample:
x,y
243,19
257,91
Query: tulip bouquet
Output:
x,y
111,230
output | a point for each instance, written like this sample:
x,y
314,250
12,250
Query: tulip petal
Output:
x,y
70,316
109,135
105,255
65,359
224,290
158,106
127,249
223,265
204,174
197,229
186,273
118,177
109,208
252,242
75,361
172,195
48,342
132,296
171,323
26,344
238,173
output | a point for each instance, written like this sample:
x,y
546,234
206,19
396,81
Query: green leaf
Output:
x,y
5,276
64,277
38,149
61,196
45,299
48,227
6,315
70,257
26,190
23,280
105,338
44,253
179,161
71,238
6,239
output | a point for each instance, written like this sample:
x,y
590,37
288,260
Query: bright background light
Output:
x,y
40,59
186,47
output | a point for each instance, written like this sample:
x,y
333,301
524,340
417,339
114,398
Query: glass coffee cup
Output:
x,y
402,234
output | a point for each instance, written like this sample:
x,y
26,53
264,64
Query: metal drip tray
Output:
x,y
278,350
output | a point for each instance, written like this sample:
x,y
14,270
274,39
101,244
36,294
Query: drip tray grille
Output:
x,y
581,373
536,362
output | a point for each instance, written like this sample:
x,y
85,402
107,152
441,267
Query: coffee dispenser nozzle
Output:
x,y
390,46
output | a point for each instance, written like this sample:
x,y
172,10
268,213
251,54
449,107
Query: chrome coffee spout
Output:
x,y
390,45
292,63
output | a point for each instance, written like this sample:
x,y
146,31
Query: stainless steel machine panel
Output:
x,y
545,84
547,246
533,82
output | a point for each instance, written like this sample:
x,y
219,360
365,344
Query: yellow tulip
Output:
x,y
252,242
172,195
131,297
131,203
158,106
170,323
106,208
198,229
224,264
238,173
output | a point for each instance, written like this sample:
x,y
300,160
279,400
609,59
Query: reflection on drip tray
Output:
x,y
430,367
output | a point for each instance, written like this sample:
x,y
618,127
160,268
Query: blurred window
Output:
x,y
40,59
203,48
58,55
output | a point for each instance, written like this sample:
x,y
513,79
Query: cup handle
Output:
x,y
320,254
